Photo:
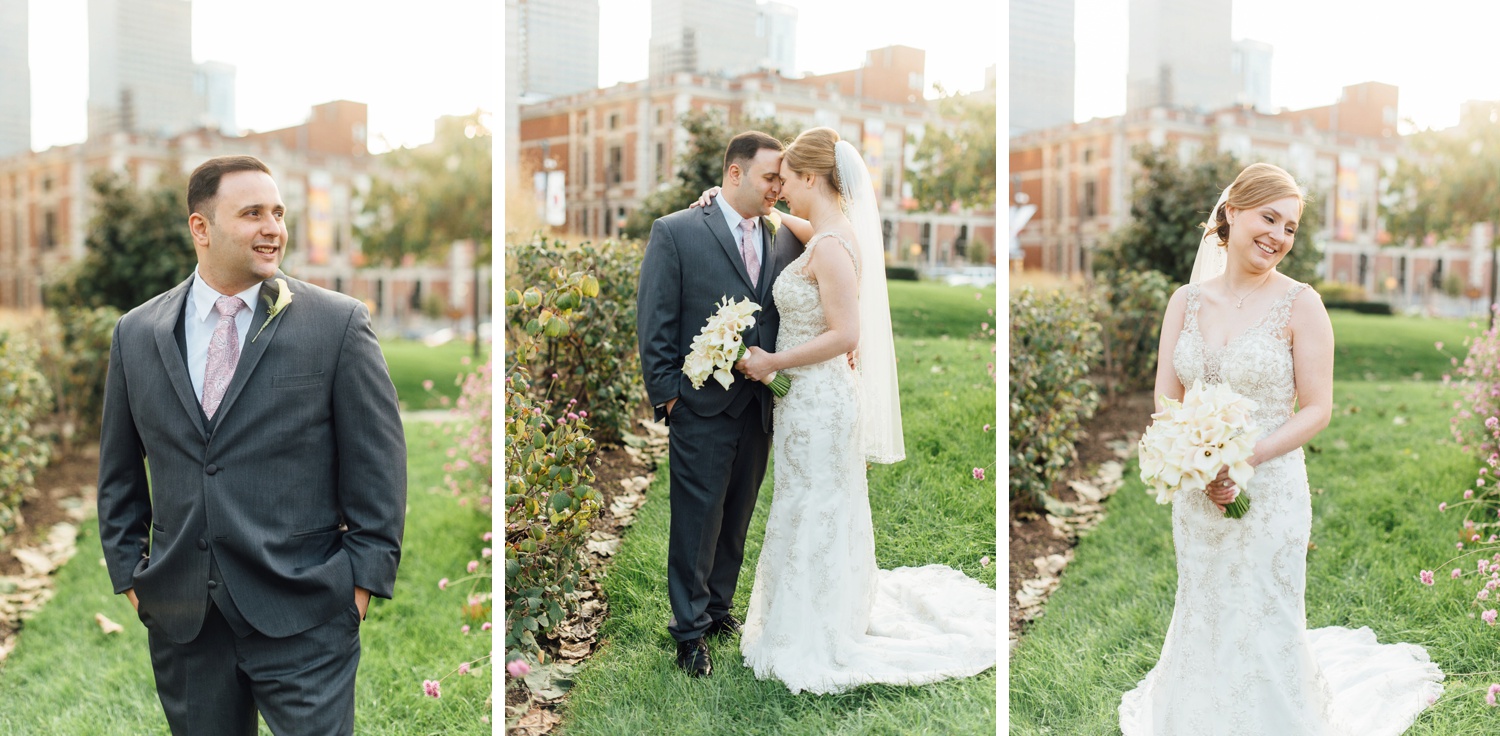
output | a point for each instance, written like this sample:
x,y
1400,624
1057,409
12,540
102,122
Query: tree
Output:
x,y
699,167
955,162
1450,183
430,196
138,246
1169,204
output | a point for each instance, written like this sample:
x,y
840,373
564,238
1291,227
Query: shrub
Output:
x,y
1479,374
1052,343
24,397
1361,307
901,273
1129,306
75,354
594,362
549,502
469,473
1338,291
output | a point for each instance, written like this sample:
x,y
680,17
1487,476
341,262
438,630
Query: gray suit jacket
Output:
x,y
691,263
297,488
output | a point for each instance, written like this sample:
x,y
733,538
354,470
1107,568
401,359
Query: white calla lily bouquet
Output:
x,y
1191,440
721,343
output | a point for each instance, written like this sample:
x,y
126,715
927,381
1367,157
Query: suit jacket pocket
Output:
x,y
301,379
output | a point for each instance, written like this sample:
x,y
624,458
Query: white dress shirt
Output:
x,y
199,320
734,220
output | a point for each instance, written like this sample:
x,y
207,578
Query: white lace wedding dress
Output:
x,y
822,618
1238,657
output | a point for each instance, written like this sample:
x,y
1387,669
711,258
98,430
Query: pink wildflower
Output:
x,y
517,668
979,474
1468,494
1439,344
1494,688
486,626
473,565
463,629
1488,616
443,584
986,427
433,688
1443,506
463,669
487,536
1426,577
486,552
1483,594
1489,699
1457,573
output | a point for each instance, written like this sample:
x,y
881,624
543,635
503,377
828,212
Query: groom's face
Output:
x,y
759,184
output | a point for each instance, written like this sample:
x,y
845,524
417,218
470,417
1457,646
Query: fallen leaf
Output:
x,y
106,625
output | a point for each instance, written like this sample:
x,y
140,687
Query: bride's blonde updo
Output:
x,y
812,153
1258,184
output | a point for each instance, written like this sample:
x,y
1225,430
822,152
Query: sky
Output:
x,y
410,62
1439,53
961,37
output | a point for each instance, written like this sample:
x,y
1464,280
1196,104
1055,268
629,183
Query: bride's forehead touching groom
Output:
x,y
720,436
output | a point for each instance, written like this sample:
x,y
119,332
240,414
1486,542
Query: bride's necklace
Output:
x,y
1240,300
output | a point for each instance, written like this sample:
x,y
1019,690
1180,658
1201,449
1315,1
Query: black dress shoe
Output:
x,y
692,656
727,626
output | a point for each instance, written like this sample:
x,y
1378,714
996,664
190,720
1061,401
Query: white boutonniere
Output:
x,y
281,302
773,223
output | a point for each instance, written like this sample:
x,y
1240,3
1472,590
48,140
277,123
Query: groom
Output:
x,y
275,498
720,439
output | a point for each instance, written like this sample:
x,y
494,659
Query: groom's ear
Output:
x,y
734,173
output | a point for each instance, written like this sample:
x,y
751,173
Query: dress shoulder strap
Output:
x,y
848,247
1281,312
1192,292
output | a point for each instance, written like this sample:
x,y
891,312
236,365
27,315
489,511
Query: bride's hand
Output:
x,y
756,365
1221,490
707,198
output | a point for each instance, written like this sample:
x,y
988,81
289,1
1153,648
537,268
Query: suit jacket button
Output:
x,y
213,583
212,469
202,544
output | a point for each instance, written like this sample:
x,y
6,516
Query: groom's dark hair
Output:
x,y
744,146
203,185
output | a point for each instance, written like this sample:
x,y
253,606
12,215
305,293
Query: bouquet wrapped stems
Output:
x,y
778,383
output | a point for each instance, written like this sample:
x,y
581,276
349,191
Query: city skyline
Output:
x,y
365,60
1320,46
961,38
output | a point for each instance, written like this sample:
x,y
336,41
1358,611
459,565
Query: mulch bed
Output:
x,y
69,477
1031,536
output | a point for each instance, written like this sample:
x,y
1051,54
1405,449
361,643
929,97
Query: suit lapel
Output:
x,y
767,263
255,346
165,323
715,220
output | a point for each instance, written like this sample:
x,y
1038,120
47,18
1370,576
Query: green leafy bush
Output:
x,y
75,354
593,362
1129,306
24,397
901,273
1339,291
1053,341
549,502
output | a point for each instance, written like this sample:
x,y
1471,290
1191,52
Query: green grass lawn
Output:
x,y
1377,473
926,509
927,309
1371,347
66,677
411,363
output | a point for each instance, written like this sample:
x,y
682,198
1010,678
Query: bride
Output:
x,y
822,617
1238,657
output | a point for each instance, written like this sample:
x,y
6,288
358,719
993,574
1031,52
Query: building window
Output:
x,y
1088,155
614,120
609,221
926,235
661,115
49,230
584,124
584,169
1401,274
1089,205
1364,269
661,162
616,164
888,182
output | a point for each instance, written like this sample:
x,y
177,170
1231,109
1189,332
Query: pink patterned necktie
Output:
x,y
223,354
747,251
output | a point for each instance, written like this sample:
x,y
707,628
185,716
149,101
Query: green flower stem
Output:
x,y
1238,507
780,383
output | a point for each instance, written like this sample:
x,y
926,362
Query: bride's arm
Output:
x,y
1312,364
833,269
1167,383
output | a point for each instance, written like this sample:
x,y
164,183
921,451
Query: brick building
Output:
x,y
617,145
1080,175
321,168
